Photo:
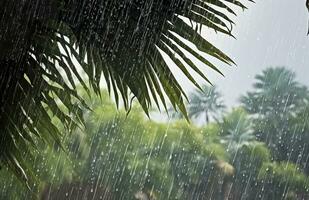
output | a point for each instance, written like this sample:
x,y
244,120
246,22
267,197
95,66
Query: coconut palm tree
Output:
x,y
237,136
276,92
237,130
277,98
207,102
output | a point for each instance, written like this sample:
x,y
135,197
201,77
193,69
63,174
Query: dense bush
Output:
x,y
121,156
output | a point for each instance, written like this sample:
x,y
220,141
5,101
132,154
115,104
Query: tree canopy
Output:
x,y
120,156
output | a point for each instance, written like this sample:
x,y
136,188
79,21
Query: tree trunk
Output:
x,y
207,117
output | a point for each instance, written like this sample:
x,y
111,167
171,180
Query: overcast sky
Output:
x,y
269,33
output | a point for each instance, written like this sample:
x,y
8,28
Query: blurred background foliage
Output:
x,y
258,150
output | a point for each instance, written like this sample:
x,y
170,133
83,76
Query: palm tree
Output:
x,y
275,101
238,137
43,42
276,92
207,102
237,130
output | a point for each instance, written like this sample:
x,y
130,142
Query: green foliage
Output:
x,y
204,102
49,165
48,48
123,156
209,101
236,129
278,105
276,94
148,159
127,151
281,178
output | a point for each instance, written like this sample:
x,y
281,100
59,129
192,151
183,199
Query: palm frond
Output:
x,y
124,42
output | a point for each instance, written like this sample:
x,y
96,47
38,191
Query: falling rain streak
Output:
x,y
92,106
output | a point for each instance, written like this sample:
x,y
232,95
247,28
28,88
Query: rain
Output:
x,y
154,99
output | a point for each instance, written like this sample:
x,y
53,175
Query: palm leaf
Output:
x,y
122,40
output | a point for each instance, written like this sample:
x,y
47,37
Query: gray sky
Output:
x,y
269,33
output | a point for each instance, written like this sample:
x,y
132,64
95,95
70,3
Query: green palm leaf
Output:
x,y
120,41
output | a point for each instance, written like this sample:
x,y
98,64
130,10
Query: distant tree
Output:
x,y
124,157
276,93
246,154
236,130
295,142
274,103
282,180
248,163
207,103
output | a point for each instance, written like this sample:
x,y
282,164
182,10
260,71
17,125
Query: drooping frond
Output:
x,y
47,44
